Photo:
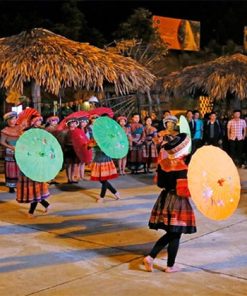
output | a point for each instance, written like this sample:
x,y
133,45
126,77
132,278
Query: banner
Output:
x,y
178,33
245,39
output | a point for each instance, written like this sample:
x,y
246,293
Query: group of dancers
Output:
x,y
33,192
172,211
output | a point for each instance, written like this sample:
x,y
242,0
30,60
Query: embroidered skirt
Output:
x,y
135,155
150,152
31,191
103,167
11,168
172,213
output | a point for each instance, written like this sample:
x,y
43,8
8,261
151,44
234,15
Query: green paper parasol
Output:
x,y
39,155
185,128
110,137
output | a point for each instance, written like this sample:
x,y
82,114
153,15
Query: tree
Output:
x,y
73,25
72,22
140,40
138,26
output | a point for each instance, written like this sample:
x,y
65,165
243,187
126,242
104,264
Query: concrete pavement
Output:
x,y
84,248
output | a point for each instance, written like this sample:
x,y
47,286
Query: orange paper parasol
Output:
x,y
214,183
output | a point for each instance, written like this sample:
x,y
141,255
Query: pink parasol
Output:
x,y
62,125
102,110
80,145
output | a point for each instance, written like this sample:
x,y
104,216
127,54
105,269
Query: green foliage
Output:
x,y
74,25
72,22
69,21
138,26
140,41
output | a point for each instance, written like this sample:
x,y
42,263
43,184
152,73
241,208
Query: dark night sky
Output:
x,y
220,20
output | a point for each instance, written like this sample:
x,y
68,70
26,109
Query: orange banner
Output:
x,y
245,39
178,33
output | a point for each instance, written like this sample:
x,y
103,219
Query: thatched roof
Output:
x,y
55,62
218,78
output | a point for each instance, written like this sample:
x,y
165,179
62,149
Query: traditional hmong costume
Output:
x,y
122,120
69,152
9,136
150,153
102,167
80,141
50,127
30,191
135,157
70,158
102,170
172,210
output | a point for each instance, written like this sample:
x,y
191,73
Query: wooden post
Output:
x,y
36,96
150,103
107,97
158,106
60,97
138,103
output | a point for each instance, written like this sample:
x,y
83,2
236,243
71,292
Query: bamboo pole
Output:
x,y
36,95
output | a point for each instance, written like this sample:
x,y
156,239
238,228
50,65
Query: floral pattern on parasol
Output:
x,y
214,183
39,155
110,137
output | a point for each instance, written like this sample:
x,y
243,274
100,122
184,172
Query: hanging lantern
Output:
x,y
205,105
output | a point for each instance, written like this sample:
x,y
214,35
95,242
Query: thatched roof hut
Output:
x,y
55,62
217,79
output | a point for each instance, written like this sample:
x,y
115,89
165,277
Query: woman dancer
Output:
x,y
29,191
102,170
51,124
122,120
84,138
172,211
70,157
9,136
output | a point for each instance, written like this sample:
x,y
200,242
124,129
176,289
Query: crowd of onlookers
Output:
x,y
227,133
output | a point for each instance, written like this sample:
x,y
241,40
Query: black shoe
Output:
x,y
53,182
11,190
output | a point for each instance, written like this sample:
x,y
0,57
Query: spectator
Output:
x,y
198,134
236,133
122,121
9,136
213,131
155,121
161,123
135,157
191,122
150,153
